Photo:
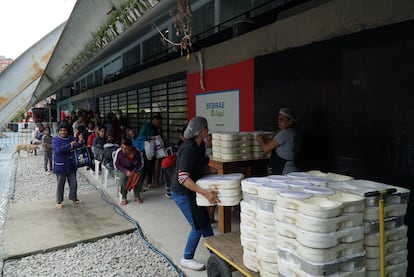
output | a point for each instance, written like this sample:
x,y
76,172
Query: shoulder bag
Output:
x,y
81,156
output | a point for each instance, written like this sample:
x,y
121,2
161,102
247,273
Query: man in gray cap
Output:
x,y
191,161
284,144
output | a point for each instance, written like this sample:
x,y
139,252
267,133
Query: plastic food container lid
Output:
x,y
319,180
298,175
319,190
298,183
295,194
276,186
278,177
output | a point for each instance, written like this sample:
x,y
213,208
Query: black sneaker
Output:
x,y
168,195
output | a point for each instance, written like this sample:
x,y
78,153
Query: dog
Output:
x,y
29,148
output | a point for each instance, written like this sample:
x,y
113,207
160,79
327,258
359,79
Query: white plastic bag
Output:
x,y
159,148
149,146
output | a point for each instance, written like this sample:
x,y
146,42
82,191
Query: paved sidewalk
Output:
x,y
158,217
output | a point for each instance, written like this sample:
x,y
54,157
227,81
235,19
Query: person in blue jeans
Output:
x,y
190,165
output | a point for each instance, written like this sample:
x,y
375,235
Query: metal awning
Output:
x,y
43,69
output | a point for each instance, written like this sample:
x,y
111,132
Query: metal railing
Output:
x,y
19,133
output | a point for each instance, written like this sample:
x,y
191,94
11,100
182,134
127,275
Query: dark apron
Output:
x,y
276,163
200,215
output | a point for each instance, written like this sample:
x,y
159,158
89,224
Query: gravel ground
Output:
x,y
122,255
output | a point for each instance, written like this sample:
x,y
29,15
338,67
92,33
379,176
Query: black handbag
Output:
x,y
81,156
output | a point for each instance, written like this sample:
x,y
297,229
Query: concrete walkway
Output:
x,y
158,217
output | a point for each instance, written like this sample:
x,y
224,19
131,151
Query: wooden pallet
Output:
x,y
228,247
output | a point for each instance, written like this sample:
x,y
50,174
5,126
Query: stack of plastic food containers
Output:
x,y
237,146
319,232
227,186
232,146
395,207
257,225
294,226
257,151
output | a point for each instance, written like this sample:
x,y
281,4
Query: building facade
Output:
x,y
344,65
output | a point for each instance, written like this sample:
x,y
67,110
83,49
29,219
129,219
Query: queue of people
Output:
x,y
122,150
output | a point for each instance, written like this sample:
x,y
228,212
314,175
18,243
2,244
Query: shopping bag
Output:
x,y
169,160
132,181
81,156
159,148
140,144
149,146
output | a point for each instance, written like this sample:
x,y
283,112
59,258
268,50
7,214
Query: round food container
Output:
x,y
252,185
319,191
295,194
298,175
298,184
269,190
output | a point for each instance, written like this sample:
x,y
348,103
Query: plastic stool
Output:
x,y
116,182
97,169
105,175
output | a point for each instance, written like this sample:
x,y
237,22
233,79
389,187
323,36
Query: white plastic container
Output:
x,y
248,243
248,231
323,207
265,217
266,254
251,260
251,199
373,252
299,175
320,240
231,150
248,220
270,189
252,185
389,235
268,230
339,177
267,242
222,201
230,136
248,209
390,259
219,183
298,184
394,270
316,224
371,213
360,187
321,255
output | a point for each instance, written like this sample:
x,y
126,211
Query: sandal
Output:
x,y
59,206
123,202
139,200
76,201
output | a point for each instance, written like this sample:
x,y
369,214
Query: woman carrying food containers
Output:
x,y
190,165
285,144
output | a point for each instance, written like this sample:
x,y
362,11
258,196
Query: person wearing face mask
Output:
x,y
285,144
190,165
